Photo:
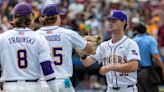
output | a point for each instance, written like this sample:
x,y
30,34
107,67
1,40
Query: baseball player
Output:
x,y
61,42
23,54
119,57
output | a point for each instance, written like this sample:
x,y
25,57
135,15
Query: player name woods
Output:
x,y
28,40
53,38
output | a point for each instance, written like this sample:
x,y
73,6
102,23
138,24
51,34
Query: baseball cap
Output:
x,y
22,9
51,10
118,14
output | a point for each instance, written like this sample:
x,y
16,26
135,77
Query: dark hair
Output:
x,y
140,28
21,21
125,26
47,20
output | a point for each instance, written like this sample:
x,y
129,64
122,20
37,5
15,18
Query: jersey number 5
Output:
x,y
22,58
57,54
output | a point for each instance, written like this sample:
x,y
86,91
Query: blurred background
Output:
x,y
89,17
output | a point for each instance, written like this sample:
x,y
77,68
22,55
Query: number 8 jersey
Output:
x,y
22,51
61,42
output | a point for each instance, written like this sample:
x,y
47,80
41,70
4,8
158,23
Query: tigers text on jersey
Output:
x,y
61,42
120,52
20,49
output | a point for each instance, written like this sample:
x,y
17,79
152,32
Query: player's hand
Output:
x,y
103,70
95,40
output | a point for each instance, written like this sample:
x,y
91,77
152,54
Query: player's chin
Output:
x,y
112,28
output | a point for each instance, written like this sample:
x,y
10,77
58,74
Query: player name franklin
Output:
x,y
28,40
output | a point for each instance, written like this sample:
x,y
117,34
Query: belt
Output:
x,y
22,80
62,78
118,88
51,79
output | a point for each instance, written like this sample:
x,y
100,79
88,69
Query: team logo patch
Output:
x,y
21,33
134,52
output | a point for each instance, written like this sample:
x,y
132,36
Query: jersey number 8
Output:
x,y
22,58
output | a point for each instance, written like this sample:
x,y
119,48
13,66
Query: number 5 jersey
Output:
x,y
61,42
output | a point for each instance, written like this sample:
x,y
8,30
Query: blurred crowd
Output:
x,y
88,17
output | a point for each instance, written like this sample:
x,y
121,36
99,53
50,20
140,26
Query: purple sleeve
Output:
x,y
47,68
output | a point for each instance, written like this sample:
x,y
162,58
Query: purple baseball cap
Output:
x,y
51,10
118,14
22,9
